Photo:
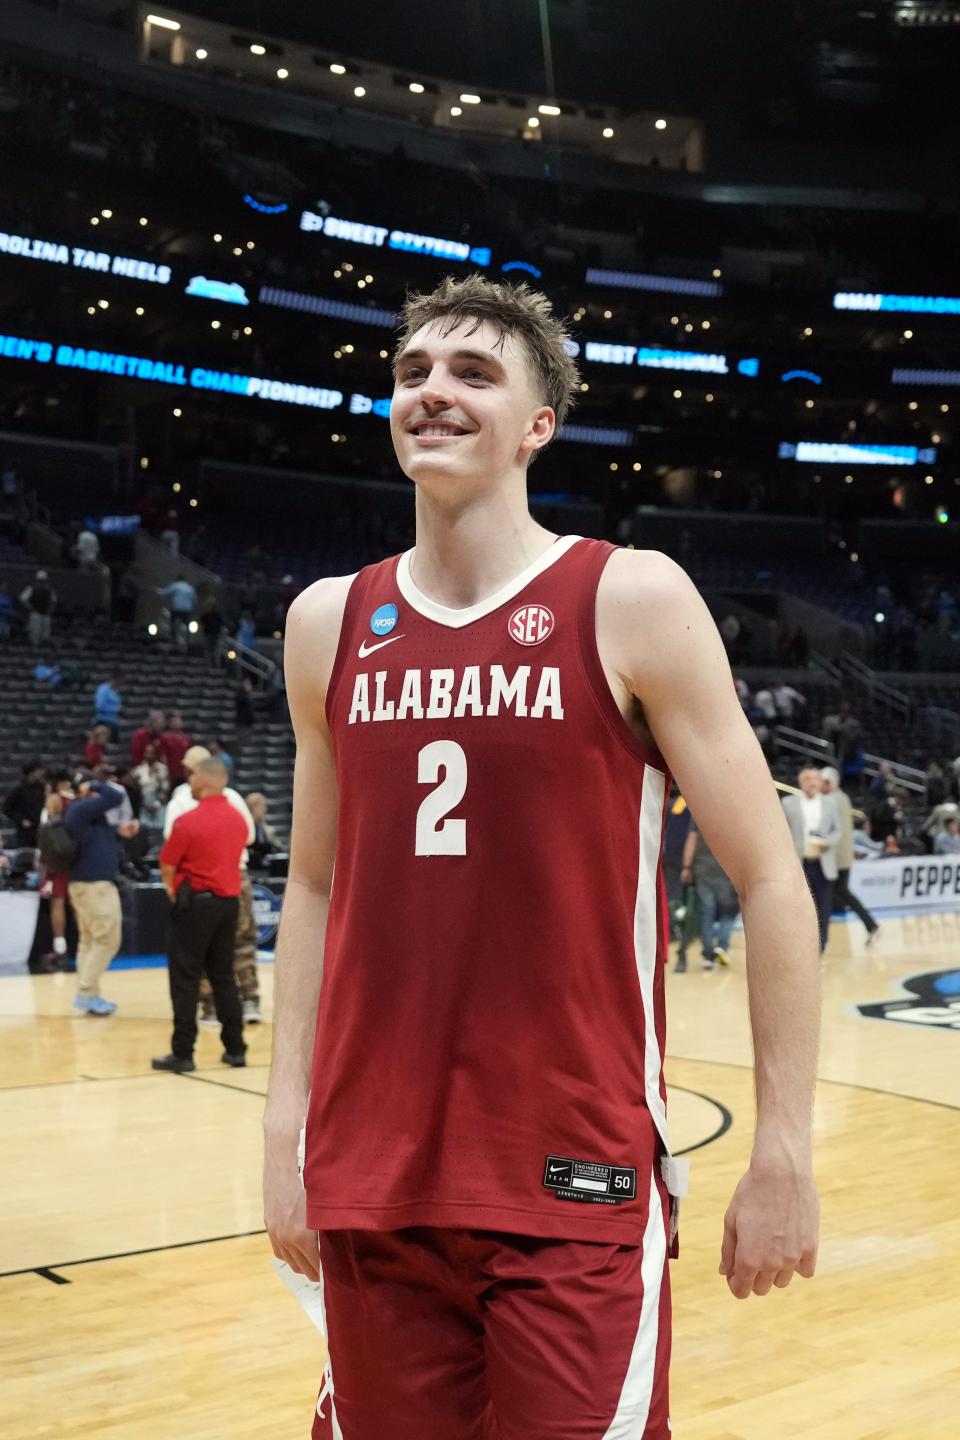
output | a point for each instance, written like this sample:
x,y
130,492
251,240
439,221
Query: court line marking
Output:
x,y
822,1080
126,1255
137,1075
246,1234
726,1119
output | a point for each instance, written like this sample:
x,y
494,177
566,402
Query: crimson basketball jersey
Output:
x,y
490,1029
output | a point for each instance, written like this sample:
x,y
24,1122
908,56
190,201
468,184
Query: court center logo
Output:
x,y
383,620
266,915
531,624
934,1002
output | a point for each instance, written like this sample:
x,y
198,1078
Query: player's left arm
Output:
x,y
669,653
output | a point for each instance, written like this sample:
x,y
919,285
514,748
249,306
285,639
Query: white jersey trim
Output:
x,y
652,802
456,618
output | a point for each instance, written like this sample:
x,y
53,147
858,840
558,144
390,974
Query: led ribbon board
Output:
x,y
815,452
925,377
358,233
168,372
584,434
902,304
665,284
655,358
54,252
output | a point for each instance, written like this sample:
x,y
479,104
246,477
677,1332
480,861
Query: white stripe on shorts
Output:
x,y
633,1409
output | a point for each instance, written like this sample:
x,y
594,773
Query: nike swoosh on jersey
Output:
x,y
366,649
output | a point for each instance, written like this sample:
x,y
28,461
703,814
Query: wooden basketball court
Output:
x,y
138,1301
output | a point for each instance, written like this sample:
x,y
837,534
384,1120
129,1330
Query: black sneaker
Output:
x,y
174,1063
681,965
237,1061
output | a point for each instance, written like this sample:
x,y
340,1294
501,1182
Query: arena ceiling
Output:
x,y
876,68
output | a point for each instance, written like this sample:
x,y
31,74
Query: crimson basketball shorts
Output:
x,y
450,1334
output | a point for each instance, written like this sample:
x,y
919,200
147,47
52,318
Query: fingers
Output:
x,y
728,1249
301,1253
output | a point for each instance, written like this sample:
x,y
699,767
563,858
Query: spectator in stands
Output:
x,y
716,897
864,846
936,783
211,626
39,599
742,689
87,549
788,701
170,531
46,675
150,733
843,896
243,705
947,842
764,701
93,886
245,943
883,782
24,804
247,630
217,751
6,611
730,634
936,821
93,751
182,603
288,593
264,837
815,826
153,777
200,866
174,743
107,704
54,882
886,819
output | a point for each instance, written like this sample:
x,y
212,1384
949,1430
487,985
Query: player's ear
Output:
x,y
540,430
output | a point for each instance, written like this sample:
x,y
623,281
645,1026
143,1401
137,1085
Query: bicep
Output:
x,y
692,709
313,631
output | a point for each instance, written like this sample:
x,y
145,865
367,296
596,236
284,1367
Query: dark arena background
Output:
x,y
210,217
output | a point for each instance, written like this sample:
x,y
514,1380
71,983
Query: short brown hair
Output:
x,y
513,310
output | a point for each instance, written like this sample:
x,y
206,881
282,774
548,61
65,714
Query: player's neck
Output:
x,y
462,557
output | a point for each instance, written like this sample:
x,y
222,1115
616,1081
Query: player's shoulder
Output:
x,y
637,584
315,617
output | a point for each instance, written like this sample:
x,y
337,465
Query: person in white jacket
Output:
x,y
245,944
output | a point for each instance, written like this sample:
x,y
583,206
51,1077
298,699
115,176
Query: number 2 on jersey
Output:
x,y
435,835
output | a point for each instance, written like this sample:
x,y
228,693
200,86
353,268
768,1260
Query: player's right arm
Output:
x,y
313,630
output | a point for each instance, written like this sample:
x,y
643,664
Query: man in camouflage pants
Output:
x,y
244,964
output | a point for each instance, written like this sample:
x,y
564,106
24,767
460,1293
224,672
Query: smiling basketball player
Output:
x,y
486,730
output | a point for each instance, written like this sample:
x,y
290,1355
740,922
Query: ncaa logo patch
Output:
x,y
382,621
266,914
531,624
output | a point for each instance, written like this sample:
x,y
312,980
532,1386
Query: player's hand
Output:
x,y
771,1228
285,1216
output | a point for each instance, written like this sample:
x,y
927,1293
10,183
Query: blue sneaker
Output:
x,y
81,1003
96,1005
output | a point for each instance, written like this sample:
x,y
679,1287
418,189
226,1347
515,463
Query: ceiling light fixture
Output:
x,y
338,69
163,22
470,100
549,109
415,87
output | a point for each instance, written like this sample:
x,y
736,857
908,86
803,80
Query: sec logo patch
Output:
x,y
531,624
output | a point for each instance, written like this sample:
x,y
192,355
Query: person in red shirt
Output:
x,y
175,743
200,868
149,734
93,751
